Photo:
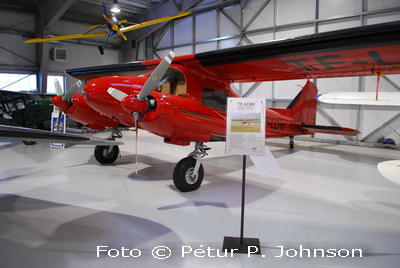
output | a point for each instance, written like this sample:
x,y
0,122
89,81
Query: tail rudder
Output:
x,y
303,107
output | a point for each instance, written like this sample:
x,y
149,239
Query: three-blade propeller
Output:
x,y
67,97
151,83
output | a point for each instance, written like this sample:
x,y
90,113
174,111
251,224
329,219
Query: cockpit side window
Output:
x,y
215,99
173,82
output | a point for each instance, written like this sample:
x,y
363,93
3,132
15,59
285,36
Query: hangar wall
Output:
x,y
264,20
15,56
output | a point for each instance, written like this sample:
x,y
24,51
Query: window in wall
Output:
x,y
17,82
27,82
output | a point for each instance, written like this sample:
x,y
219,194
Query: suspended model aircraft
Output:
x,y
183,99
112,27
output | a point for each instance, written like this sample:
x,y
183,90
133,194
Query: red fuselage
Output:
x,y
193,114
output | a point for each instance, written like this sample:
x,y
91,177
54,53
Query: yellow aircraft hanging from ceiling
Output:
x,y
113,28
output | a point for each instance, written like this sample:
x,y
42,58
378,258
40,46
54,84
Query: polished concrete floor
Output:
x,y
59,208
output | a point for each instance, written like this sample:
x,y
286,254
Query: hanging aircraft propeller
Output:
x,y
115,27
139,101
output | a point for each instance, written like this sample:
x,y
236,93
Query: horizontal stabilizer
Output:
x,y
28,134
331,130
361,98
390,170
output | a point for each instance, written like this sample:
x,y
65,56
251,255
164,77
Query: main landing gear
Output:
x,y
189,172
291,142
108,154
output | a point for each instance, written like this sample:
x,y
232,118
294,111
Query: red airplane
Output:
x,y
245,122
183,99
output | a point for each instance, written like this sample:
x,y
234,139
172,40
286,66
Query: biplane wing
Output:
x,y
65,37
359,51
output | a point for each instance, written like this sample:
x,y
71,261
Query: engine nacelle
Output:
x,y
81,112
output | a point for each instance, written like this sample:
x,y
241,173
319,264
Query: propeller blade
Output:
x,y
136,116
108,20
156,76
72,90
117,94
58,88
122,35
105,9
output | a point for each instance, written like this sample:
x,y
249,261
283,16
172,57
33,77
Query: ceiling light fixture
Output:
x,y
115,7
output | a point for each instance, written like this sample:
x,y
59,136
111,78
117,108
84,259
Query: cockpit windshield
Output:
x,y
173,82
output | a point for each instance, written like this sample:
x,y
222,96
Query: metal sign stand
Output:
x,y
242,244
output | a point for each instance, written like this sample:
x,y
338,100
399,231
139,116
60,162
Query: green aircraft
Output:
x,y
30,110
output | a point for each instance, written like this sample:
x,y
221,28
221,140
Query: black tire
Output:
x,y
29,142
182,179
103,156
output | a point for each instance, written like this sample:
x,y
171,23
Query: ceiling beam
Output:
x,y
53,10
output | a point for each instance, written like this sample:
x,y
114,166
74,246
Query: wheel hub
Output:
x,y
190,177
107,153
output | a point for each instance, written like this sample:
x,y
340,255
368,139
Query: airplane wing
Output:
x,y
359,51
350,52
361,98
152,22
19,133
65,37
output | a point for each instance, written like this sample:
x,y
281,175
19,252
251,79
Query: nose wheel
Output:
x,y
108,154
189,172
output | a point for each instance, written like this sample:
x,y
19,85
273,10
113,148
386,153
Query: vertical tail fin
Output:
x,y
303,107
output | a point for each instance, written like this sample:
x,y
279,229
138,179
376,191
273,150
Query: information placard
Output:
x,y
245,127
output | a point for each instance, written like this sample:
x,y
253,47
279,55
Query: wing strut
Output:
x,y
378,82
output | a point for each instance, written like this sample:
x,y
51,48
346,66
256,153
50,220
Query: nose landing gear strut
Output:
x,y
189,172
